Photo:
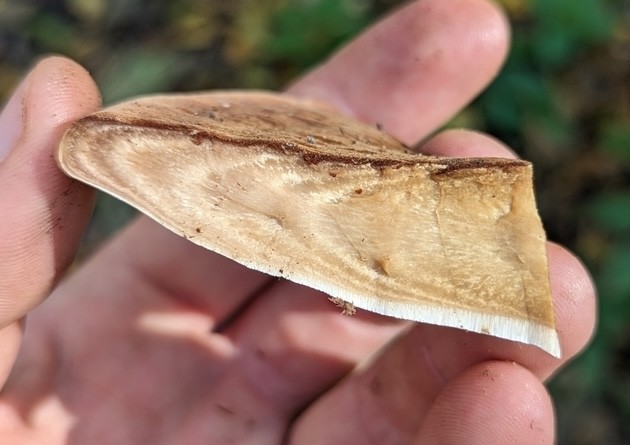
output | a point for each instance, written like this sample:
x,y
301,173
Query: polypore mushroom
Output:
x,y
291,188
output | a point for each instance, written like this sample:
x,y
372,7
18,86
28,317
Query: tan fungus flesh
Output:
x,y
291,188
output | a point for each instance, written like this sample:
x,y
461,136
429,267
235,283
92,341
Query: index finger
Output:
x,y
414,70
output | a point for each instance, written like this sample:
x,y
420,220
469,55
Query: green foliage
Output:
x,y
545,45
614,138
53,32
564,27
140,70
305,32
610,212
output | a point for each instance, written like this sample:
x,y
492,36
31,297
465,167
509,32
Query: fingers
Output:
x,y
294,342
490,403
417,68
427,357
43,212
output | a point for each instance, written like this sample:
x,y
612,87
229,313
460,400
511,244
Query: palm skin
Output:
x,y
157,341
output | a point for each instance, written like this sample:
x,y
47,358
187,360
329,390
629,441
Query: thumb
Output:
x,y
42,212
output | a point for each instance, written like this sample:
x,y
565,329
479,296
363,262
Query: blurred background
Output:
x,y
562,101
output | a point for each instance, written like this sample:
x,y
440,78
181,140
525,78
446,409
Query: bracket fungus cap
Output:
x,y
294,189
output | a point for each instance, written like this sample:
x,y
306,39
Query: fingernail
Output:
x,y
11,121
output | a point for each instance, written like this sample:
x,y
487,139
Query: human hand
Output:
x,y
155,340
